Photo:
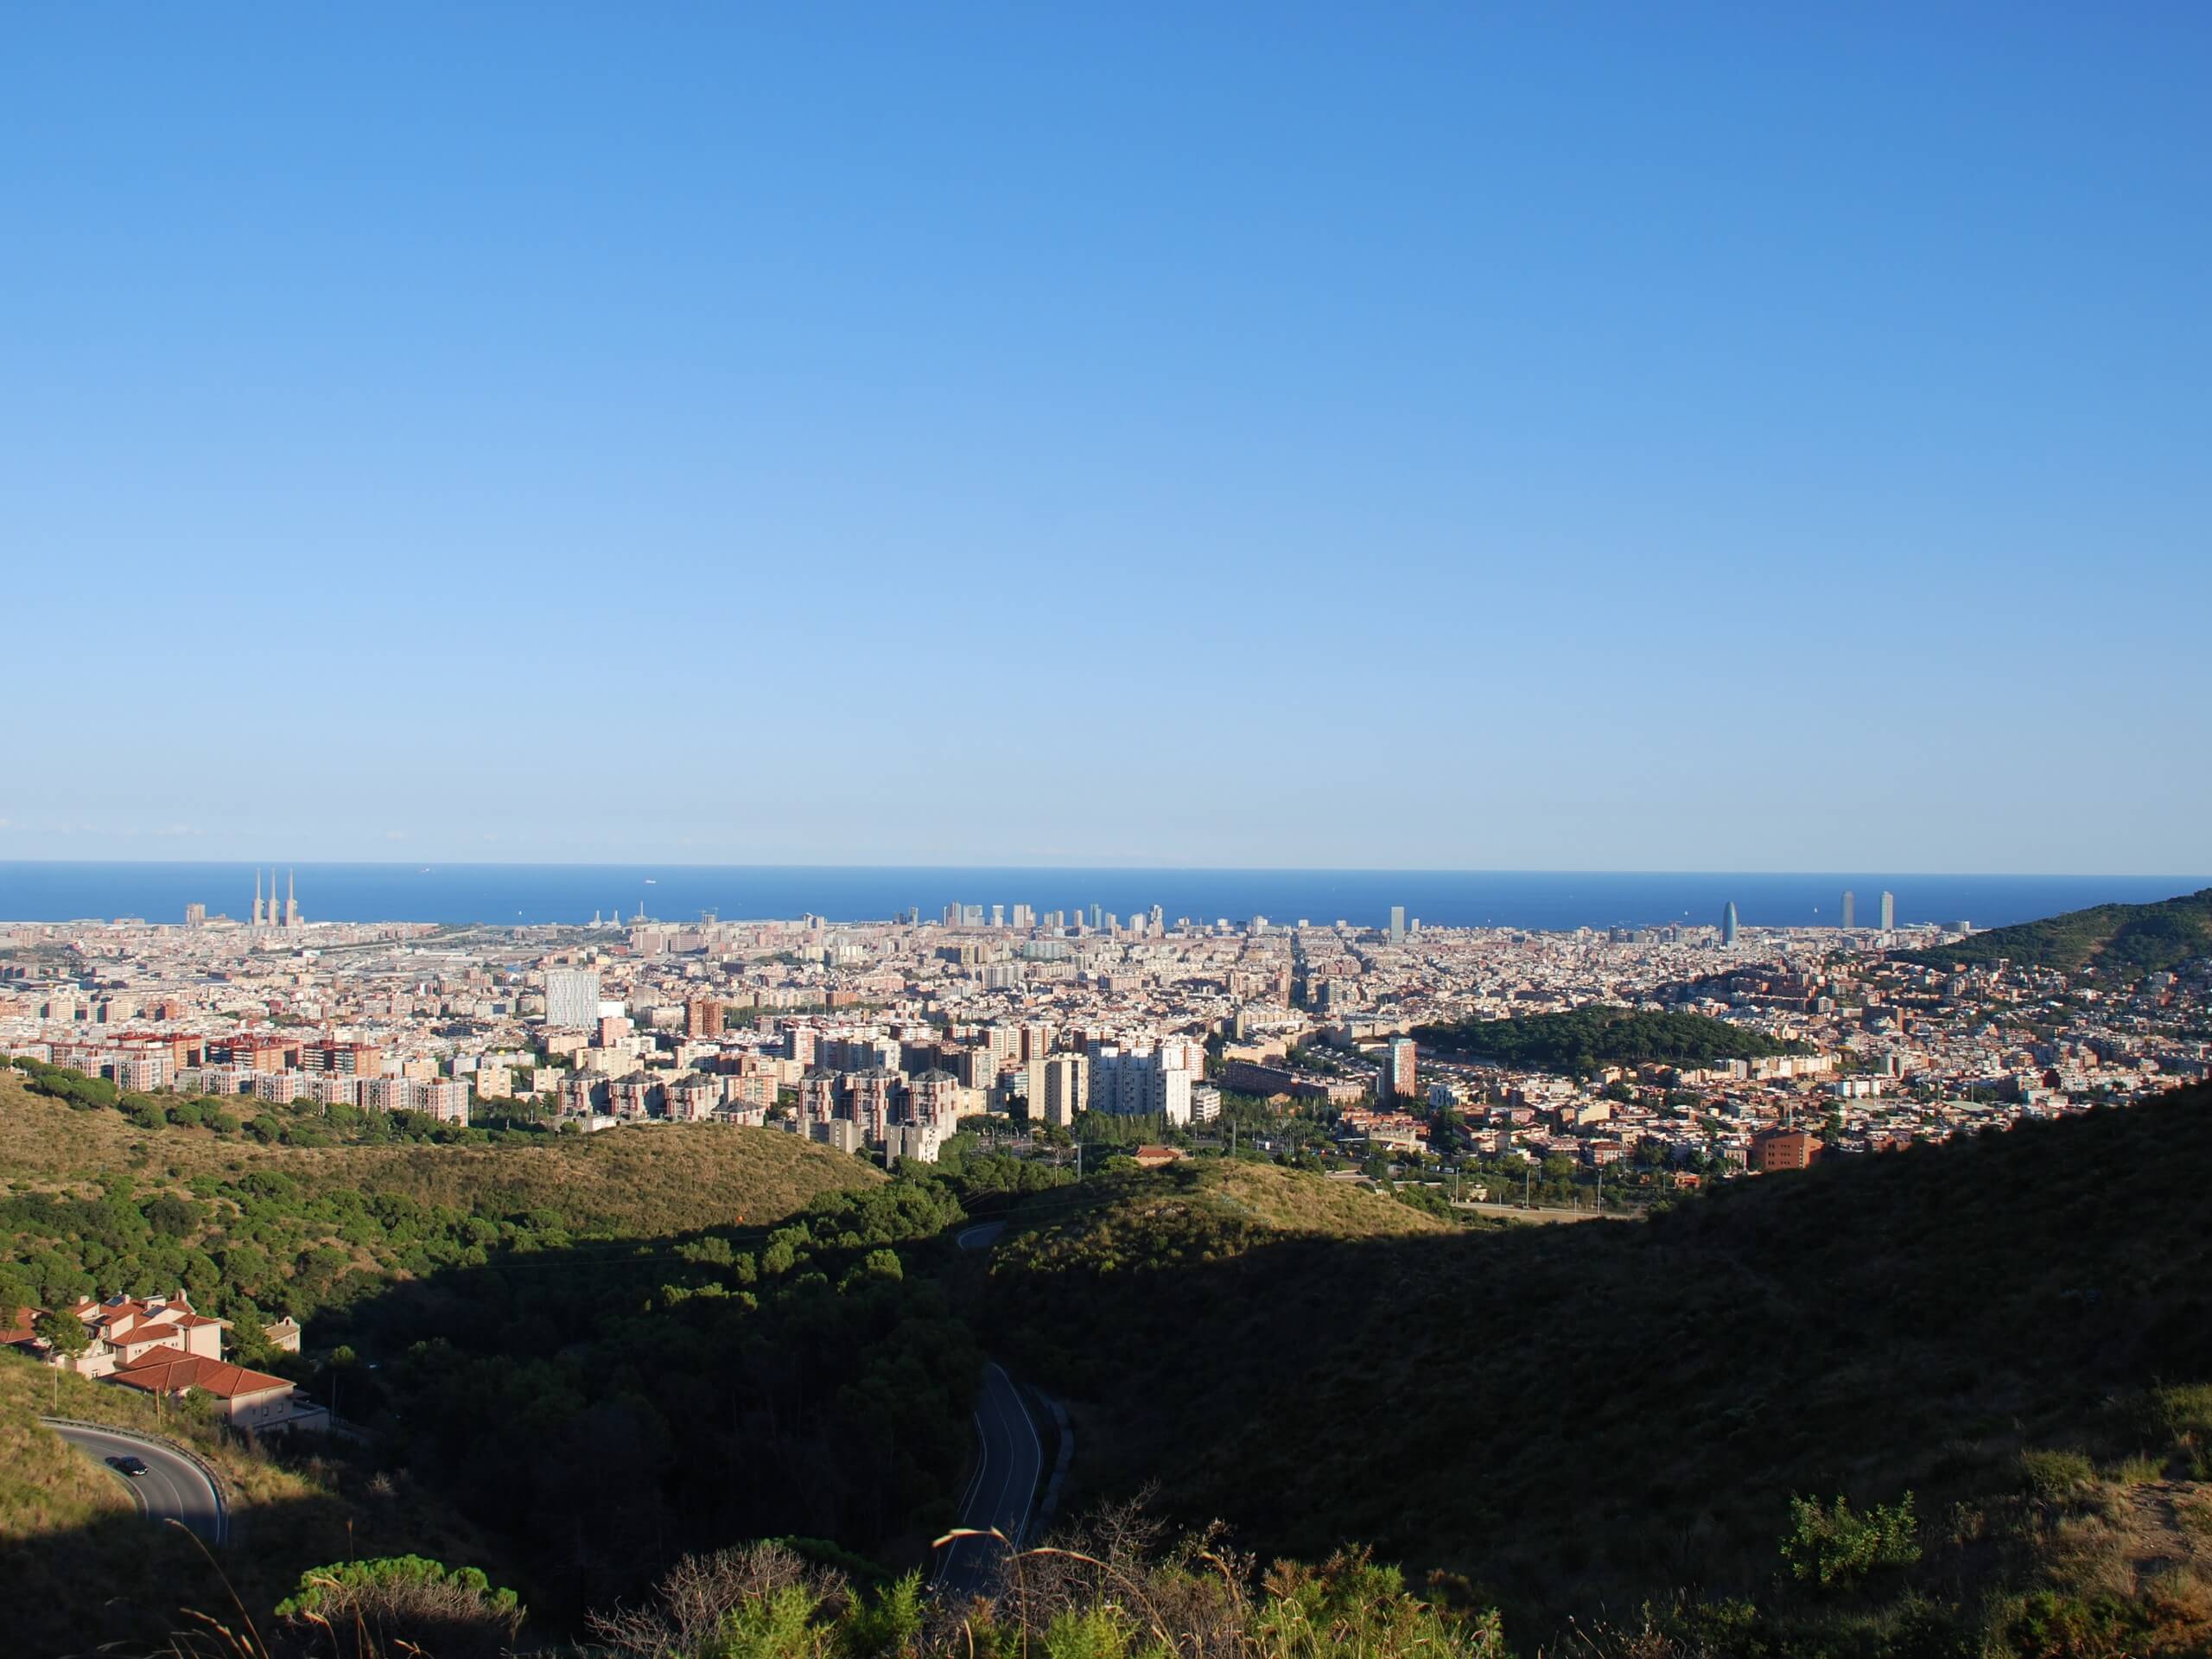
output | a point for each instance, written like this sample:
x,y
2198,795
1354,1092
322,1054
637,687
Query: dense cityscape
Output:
x,y
892,1039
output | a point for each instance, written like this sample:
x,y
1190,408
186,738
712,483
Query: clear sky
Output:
x,y
1636,436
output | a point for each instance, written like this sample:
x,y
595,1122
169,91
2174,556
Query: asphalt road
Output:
x,y
981,1236
172,1489
1010,1461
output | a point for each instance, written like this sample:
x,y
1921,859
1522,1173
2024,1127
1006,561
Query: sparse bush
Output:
x,y
400,1603
1838,1545
2184,1415
2049,1625
2056,1478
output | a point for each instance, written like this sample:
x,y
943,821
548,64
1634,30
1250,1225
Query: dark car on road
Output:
x,y
132,1466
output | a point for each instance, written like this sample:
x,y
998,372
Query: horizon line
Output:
x,y
421,865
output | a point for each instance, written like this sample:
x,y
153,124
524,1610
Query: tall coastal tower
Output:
x,y
291,901
257,894
1728,923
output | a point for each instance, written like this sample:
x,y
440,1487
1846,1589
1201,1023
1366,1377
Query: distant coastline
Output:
x,y
573,894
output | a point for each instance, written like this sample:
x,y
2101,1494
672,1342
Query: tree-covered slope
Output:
x,y
1582,1040
1588,1417
93,1202
2124,941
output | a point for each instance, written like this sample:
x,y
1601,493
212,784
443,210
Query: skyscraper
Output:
x,y
571,997
1889,911
1397,924
1850,908
1397,1071
1728,923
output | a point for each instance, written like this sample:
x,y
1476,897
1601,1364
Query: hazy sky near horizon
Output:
x,y
1710,437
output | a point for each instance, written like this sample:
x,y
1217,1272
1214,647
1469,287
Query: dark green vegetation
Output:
x,y
1598,1417
606,1408
2119,941
1581,1040
1953,1402
96,1201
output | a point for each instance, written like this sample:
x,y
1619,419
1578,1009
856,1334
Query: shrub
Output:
x,y
1838,1545
2051,1626
403,1603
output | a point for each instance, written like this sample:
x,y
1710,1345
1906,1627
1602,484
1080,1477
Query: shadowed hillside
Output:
x,y
85,1568
1590,1416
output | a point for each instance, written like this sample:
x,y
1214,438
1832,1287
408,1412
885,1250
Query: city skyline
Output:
x,y
1023,898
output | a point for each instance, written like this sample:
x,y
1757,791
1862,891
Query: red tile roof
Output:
x,y
171,1370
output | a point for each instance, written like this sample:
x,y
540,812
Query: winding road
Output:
x,y
173,1487
1009,1463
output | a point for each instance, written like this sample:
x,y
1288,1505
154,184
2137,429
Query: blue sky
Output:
x,y
1564,436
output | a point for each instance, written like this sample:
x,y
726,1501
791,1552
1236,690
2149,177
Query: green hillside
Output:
x,y
1952,1403
2123,941
1582,1040
86,1569
2017,1329
92,1202
1194,1212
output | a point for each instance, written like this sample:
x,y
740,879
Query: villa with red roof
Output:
x,y
245,1400
159,1345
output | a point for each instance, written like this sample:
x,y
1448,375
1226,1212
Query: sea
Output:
x,y
573,893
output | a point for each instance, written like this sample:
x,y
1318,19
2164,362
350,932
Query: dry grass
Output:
x,y
2143,1543
89,1567
641,1181
46,1486
1197,1211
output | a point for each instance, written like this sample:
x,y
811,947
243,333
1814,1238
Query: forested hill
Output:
x,y
1582,1040
1579,1420
2123,941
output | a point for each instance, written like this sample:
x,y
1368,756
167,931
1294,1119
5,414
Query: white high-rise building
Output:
x,y
1059,1087
571,997
1143,1080
1889,912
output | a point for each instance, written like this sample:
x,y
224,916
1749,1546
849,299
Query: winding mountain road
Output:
x,y
173,1487
1009,1463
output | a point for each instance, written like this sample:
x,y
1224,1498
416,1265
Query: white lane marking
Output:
x,y
998,1507
967,1498
1037,1464
179,1478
